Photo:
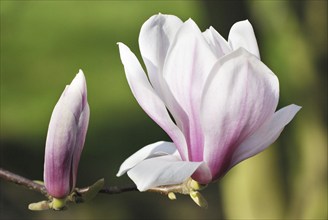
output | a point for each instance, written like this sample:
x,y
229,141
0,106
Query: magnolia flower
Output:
x,y
66,134
214,98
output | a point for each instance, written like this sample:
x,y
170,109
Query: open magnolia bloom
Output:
x,y
65,139
215,99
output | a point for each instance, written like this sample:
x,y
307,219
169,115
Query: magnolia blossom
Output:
x,y
214,98
65,139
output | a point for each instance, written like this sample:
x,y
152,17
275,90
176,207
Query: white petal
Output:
x,y
240,94
148,99
74,96
79,83
152,150
159,171
156,35
218,44
186,68
266,135
242,35
188,64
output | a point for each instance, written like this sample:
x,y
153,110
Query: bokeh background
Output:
x,y
45,43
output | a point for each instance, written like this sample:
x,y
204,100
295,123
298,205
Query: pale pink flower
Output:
x,y
220,95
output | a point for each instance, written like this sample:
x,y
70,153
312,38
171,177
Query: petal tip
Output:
x,y
297,107
243,22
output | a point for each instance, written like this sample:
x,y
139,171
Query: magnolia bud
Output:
x,y
65,139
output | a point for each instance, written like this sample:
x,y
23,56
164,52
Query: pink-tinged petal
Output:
x,y
152,150
160,171
80,139
156,35
240,95
59,150
242,35
203,174
186,68
265,135
75,99
218,44
148,99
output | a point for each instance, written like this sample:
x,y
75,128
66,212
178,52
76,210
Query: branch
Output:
x,y
30,184
79,195
19,180
118,190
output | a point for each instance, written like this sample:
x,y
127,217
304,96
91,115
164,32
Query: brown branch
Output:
x,y
19,180
85,194
118,190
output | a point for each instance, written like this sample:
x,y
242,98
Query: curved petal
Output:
x,y
80,139
156,35
242,35
75,95
148,99
160,171
265,135
186,68
203,174
152,150
218,44
82,86
240,95
79,84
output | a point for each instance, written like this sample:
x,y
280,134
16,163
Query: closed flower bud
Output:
x,y
65,139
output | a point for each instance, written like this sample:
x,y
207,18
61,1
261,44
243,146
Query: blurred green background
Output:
x,y
44,43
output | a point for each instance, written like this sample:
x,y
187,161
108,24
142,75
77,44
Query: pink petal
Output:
x,y
265,135
148,99
203,174
186,68
82,128
242,35
79,84
152,150
59,151
159,171
240,95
